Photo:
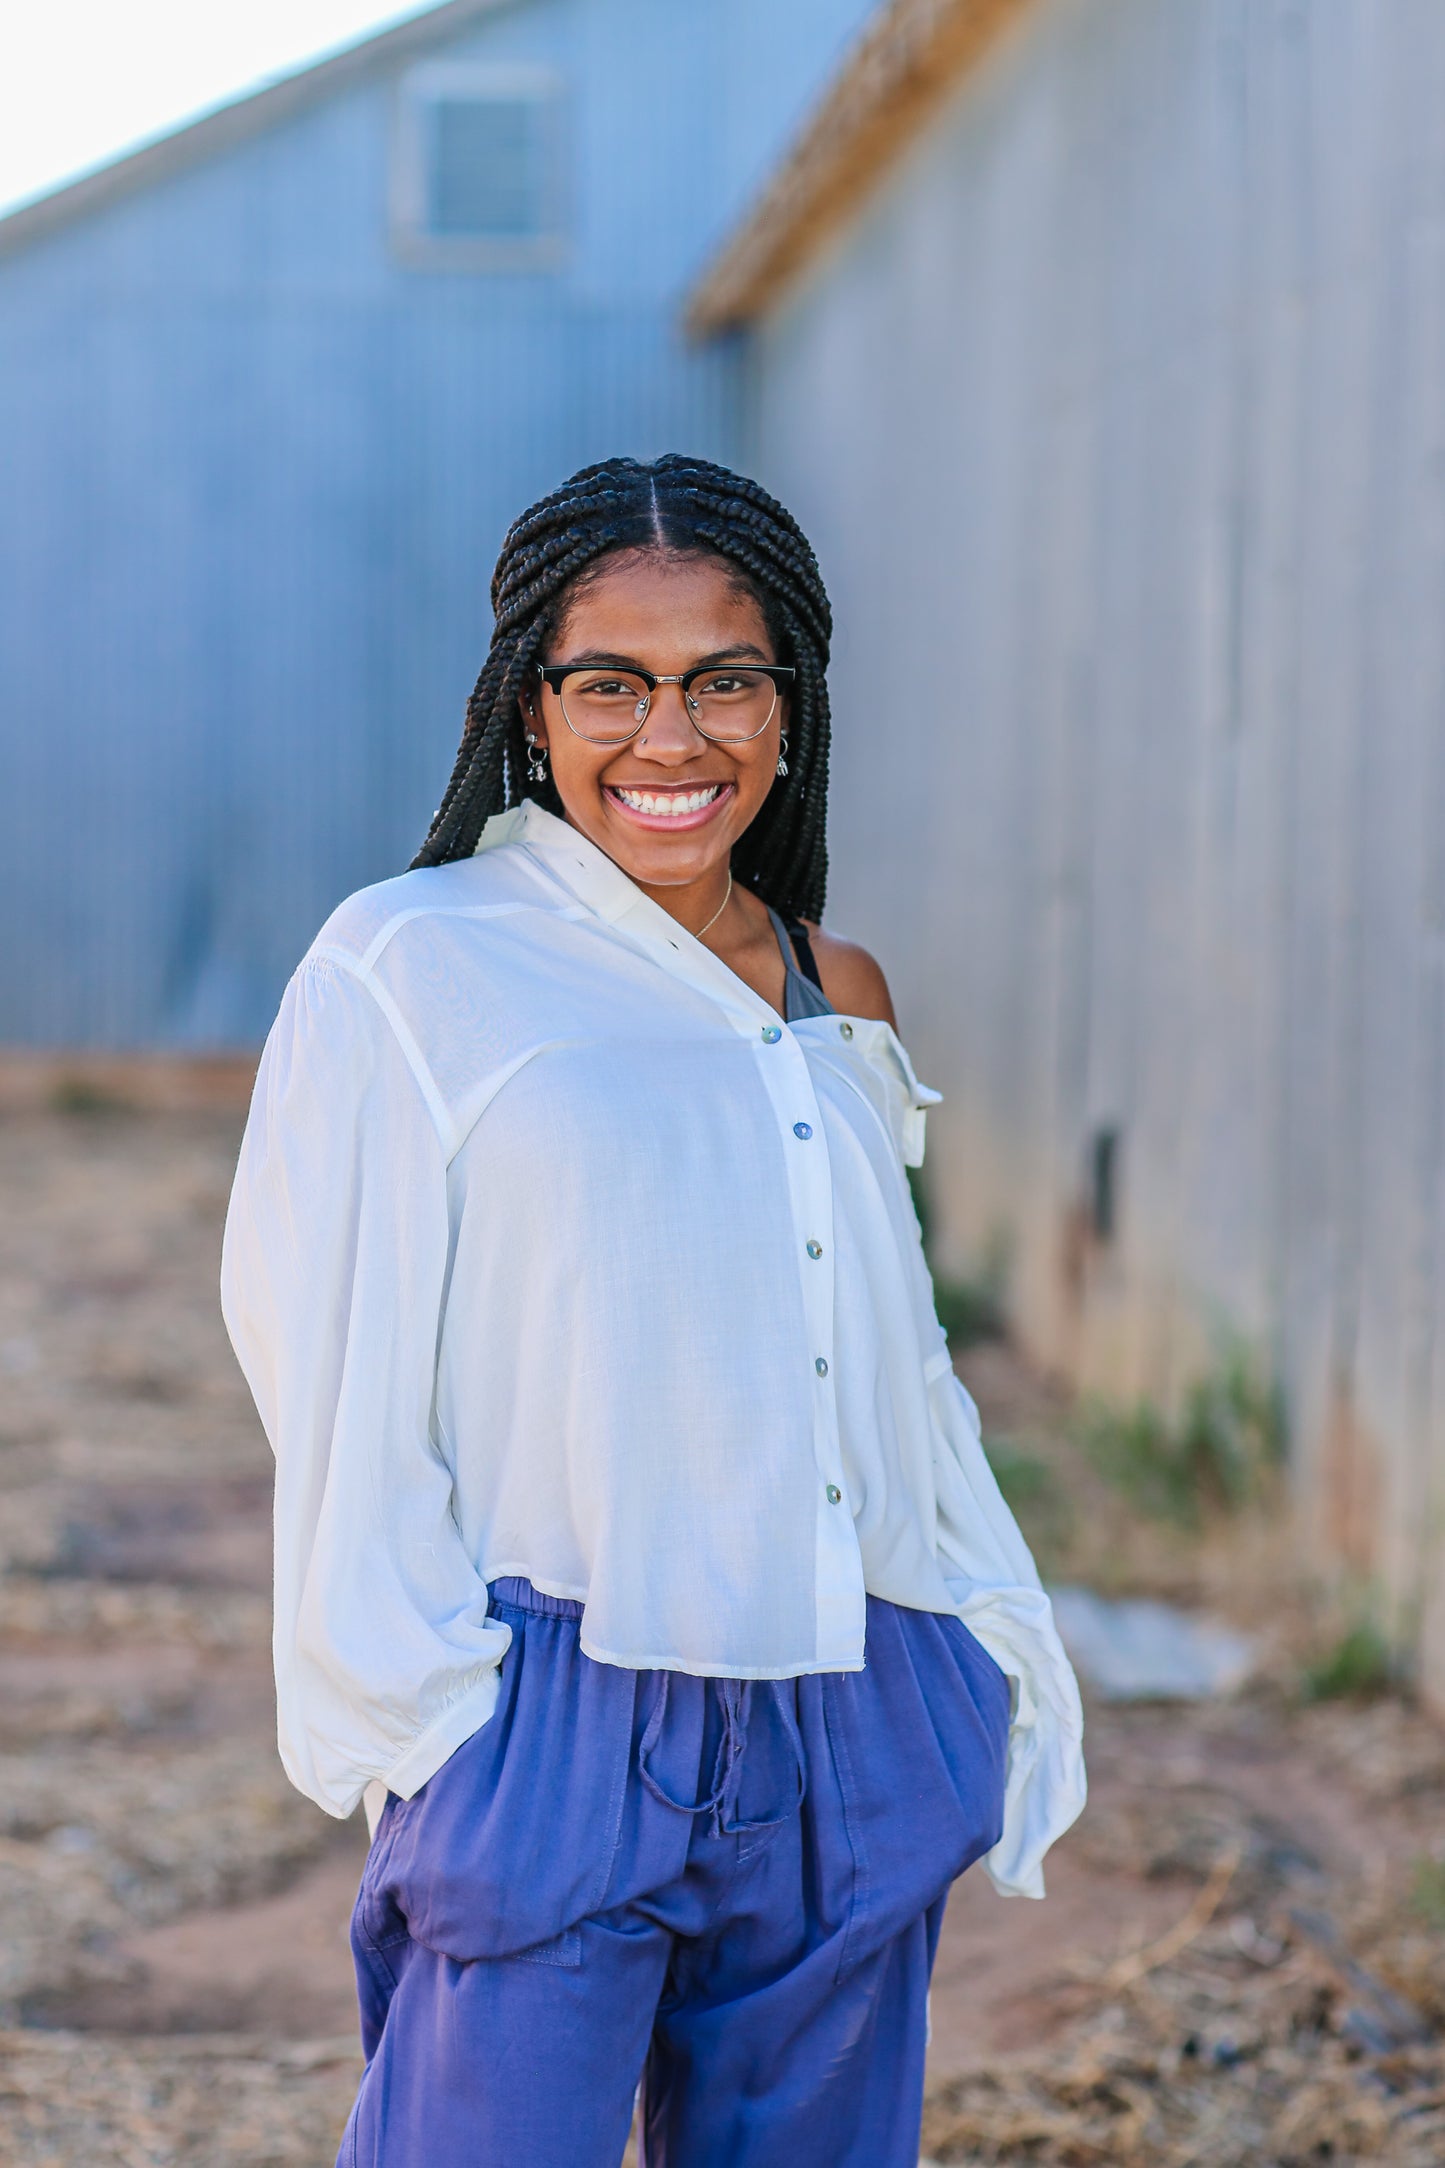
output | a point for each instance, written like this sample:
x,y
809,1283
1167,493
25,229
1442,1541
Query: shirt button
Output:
x,y
833,1495
821,1366
815,1249
846,1030
801,1129
772,1033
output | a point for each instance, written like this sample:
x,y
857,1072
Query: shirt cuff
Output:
x,y
444,1734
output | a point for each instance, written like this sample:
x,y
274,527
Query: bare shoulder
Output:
x,y
852,979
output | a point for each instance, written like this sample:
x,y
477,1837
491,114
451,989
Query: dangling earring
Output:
x,y
536,760
783,755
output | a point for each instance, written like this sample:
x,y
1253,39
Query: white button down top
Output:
x,y
554,1251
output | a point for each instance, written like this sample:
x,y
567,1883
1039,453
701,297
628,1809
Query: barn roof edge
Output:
x,y
902,67
225,126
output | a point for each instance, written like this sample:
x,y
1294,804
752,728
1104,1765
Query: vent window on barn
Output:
x,y
477,182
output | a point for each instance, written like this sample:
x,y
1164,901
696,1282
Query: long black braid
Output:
x,y
688,507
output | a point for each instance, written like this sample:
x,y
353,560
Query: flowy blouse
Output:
x,y
555,1251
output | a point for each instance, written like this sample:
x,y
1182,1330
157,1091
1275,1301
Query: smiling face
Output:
x,y
669,804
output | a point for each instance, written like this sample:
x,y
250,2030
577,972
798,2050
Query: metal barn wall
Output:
x,y
1119,420
255,476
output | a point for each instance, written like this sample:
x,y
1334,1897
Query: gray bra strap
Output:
x,y
800,996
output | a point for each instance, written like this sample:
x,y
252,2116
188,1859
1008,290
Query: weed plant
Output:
x,y
1359,1666
1222,1452
1427,1892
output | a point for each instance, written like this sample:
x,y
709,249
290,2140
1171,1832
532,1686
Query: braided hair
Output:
x,y
685,507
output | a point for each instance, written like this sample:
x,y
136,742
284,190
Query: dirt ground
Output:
x,y
1241,1958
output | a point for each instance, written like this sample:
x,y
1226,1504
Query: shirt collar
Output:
x,y
573,858
600,883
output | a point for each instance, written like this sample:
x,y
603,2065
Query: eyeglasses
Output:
x,y
729,702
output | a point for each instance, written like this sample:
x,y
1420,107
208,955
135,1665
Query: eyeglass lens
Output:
x,y
727,703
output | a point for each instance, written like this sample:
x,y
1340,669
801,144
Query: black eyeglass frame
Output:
x,y
552,675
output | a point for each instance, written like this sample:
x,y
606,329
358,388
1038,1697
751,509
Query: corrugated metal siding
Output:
x,y
256,474
1119,420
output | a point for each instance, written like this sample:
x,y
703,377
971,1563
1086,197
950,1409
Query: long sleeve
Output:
x,y
992,1577
333,1277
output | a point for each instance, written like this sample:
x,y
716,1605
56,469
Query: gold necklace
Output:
x,y
717,914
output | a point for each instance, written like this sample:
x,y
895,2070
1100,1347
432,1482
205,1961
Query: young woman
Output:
x,y
635,1549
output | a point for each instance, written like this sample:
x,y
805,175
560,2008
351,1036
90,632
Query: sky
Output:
x,y
81,80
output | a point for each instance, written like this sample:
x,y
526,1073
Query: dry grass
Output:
x,y
1268,2030
1284,2004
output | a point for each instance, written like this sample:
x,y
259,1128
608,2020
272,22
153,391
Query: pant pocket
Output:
x,y
923,1739
512,1842
564,1949
985,1676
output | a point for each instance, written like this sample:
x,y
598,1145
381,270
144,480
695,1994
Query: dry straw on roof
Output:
x,y
901,69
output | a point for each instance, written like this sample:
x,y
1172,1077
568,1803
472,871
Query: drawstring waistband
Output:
x,y
512,1592
735,1701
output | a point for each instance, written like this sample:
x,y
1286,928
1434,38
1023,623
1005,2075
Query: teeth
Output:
x,y
673,802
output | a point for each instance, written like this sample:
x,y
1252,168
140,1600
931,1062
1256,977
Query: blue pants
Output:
x,y
731,1890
